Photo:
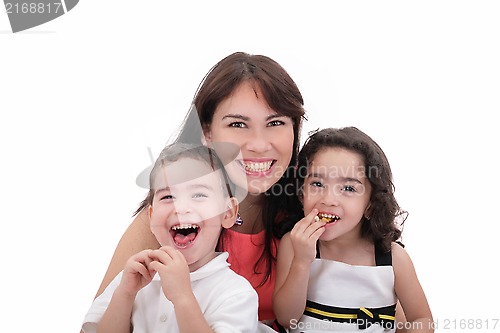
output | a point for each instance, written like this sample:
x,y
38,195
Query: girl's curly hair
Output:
x,y
382,225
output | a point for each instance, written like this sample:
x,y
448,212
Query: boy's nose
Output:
x,y
182,207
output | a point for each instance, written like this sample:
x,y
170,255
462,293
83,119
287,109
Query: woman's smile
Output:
x,y
264,136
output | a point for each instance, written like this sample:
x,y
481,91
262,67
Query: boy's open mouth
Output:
x,y
184,234
328,218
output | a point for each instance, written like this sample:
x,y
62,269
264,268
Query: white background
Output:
x,y
83,96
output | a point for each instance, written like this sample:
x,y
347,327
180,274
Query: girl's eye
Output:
x,y
200,195
316,184
348,188
167,197
275,123
238,124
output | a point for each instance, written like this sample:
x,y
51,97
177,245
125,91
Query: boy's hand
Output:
x,y
174,272
304,236
136,274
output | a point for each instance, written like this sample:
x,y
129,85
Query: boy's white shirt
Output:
x,y
227,300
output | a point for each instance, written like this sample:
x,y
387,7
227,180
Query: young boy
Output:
x,y
185,286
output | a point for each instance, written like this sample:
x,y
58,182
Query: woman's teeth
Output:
x,y
257,167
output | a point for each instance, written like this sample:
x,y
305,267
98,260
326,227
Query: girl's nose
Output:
x,y
331,196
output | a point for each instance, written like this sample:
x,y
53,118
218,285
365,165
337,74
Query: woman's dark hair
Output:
x,y
381,225
281,94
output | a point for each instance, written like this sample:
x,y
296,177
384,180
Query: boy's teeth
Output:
x,y
184,226
259,166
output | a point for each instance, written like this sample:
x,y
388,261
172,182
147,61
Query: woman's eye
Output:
x,y
238,124
275,123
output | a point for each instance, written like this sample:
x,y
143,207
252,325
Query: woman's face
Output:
x,y
264,137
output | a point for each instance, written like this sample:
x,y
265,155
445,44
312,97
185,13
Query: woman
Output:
x,y
249,100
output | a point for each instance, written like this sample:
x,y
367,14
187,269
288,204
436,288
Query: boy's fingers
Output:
x,y
174,254
155,266
140,268
169,250
160,256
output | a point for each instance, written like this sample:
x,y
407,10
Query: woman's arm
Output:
x,y
136,238
410,293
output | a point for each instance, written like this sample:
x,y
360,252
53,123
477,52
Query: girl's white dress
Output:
x,y
346,298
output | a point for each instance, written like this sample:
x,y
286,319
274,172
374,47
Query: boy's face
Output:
x,y
188,212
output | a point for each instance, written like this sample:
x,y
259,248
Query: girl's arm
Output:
x,y
410,293
136,238
290,289
296,252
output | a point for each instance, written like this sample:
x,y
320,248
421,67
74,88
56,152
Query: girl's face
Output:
x,y
336,185
264,136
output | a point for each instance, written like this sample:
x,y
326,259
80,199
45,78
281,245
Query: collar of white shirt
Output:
x,y
213,266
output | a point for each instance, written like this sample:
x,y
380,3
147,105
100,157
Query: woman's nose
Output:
x,y
258,141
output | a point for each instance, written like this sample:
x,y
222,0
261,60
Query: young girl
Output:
x,y
339,269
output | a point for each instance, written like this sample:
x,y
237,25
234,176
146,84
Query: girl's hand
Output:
x,y
305,235
174,272
136,274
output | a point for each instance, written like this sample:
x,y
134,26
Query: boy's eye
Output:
x,y
200,195
275,123
238,124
